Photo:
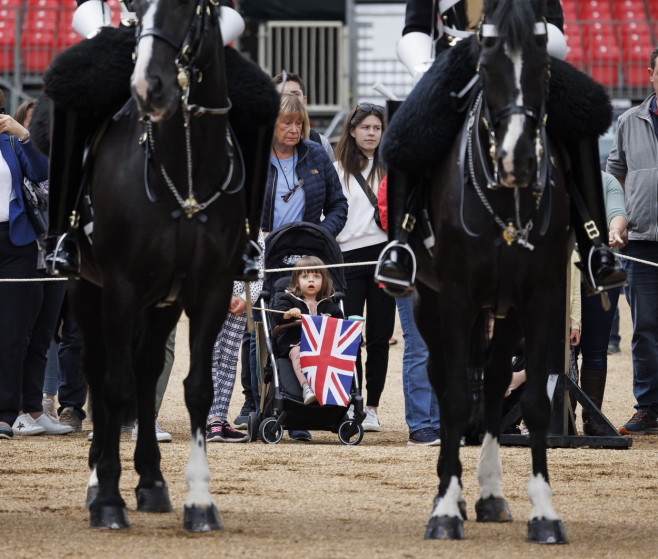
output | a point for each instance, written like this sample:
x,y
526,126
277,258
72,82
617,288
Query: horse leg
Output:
x,y
544,525
492,505
448,347
118,316
85,300
200,512
151,492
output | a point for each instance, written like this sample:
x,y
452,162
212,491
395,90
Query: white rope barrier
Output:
x,y
22,280
274,270
636,260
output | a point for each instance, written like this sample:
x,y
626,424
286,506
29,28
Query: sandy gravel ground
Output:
x,y
324,499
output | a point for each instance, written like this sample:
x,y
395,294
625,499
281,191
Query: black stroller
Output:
x,y
282,404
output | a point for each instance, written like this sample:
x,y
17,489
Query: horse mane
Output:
x,y
515,19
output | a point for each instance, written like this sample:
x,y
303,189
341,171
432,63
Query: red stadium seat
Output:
x,y
38,53
11,3
621,7
7,45
44,4
595,10
636,75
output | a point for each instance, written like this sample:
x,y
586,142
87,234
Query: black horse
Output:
x,y
499,209
158,250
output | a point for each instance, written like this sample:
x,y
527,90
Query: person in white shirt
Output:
x,y
360,172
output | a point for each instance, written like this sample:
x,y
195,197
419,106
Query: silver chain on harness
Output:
x,y
190,205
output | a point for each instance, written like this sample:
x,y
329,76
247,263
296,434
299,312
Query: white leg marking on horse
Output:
x,y
448,504
517,121
540,494
197,473
490,468
93,479
144,52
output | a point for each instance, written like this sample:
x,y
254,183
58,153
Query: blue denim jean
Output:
x,y
615,337
642,296
596,324
421,407
72,389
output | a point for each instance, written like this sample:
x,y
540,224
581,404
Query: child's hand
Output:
x,y
293,313
574,338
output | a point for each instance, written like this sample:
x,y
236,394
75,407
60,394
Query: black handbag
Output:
x,y
36,202
36,205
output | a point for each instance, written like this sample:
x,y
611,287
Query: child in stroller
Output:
x,y
281,403
309,292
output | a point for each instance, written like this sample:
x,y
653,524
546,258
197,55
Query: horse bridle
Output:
x,y
491,121
207,13
480,113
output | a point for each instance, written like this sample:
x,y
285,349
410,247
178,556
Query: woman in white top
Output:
x,y
360,171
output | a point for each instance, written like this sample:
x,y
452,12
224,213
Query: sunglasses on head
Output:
x,y
367,108
370,108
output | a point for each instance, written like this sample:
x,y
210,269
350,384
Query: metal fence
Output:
x,y
316,50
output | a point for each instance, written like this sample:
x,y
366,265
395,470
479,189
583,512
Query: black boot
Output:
x,y
396,266
255,146
67,143
600,268
593,384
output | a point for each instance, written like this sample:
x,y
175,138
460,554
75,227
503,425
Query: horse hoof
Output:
x,y
153,499
201,519
92,492
541,530
445,528
492,509
109,518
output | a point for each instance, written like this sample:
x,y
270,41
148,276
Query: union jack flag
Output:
x,y
327,354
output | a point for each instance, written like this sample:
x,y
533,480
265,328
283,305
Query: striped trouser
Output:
x,y
224,363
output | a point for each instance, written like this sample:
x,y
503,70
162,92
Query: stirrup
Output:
x,y
396,286
595,283
60,262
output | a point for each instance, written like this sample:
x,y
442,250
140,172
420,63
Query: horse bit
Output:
x,y
188,50
520,233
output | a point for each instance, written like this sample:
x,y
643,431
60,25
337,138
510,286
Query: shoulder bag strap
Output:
x,y
371,196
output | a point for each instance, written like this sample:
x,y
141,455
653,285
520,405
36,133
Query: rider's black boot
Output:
x,y
67,145
396,267
255,146
598,263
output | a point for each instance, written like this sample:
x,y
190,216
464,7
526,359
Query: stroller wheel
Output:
x,y
350,432
252,426
267,432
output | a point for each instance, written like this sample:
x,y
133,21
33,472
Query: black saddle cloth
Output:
x,y
424,128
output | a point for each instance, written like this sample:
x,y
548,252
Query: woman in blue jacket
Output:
x,y
302,184
18,259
